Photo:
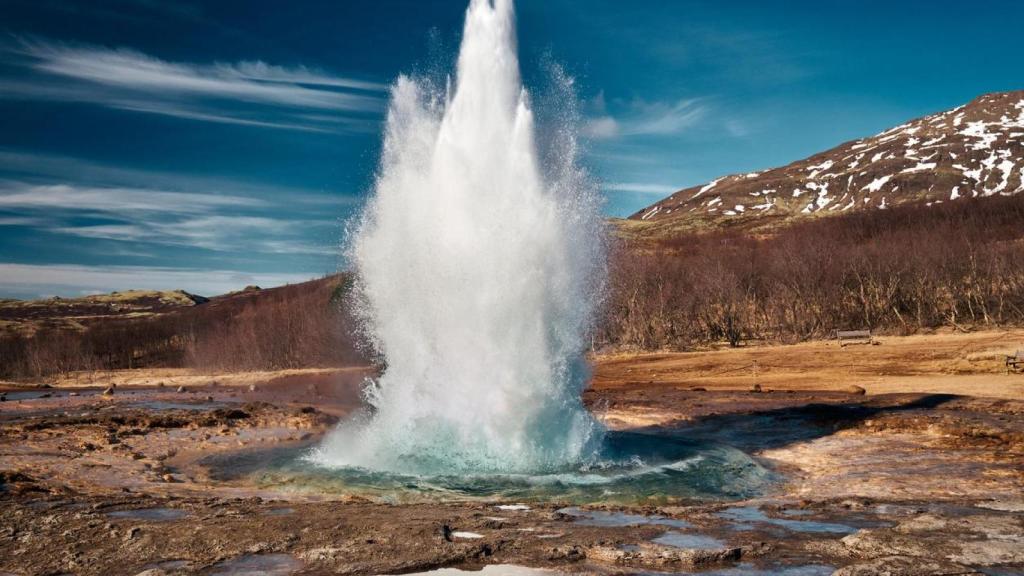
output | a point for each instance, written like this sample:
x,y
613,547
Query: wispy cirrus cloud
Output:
x,y
220,223
34,280
33,168
123,201
640,188
216,233
643,118
251,93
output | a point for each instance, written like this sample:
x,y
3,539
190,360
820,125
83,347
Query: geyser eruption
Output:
x,y
478,261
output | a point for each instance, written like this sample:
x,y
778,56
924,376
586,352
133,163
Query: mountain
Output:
x,y
975,150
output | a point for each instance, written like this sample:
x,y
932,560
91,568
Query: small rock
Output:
x,y
253,388
258,548
71,394
181,388
3,397
755,388
168,478
698,389
159,384
109,391
131,533
855,390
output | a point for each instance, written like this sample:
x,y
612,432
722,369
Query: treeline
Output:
x,y
293,326
899,270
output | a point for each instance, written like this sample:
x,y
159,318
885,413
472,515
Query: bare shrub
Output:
x,y
898,270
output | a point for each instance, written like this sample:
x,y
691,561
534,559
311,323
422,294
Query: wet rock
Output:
x,y
324,554
258,548
903,566
922,523
990,552
567,553
855,390
656,556
876,543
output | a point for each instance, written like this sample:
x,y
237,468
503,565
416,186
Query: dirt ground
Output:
x,y
971,364
921,474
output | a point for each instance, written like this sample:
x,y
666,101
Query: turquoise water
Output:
x,y
631,468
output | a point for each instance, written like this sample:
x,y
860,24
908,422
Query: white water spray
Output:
x,y
478,261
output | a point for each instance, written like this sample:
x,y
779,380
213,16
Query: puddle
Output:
x,y
631,468
692,541
744,517
747,569
1001,570
156,514
490,570
280,511
258,565
43,394
603,518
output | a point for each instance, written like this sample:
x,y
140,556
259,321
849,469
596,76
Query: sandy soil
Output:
x,y
907,479
174,377
946,363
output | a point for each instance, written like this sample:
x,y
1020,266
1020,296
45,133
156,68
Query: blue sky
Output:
x,y
210,145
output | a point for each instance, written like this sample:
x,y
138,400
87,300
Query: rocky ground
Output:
x,y
888,483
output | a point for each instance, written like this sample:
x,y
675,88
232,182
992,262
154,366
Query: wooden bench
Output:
x,y
1015,362
853,337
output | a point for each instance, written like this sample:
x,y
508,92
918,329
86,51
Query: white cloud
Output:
x,y
641,118
19,221
124,201
38,279
217,233
258,70
161,217
93,175
130,80
601,128
640,188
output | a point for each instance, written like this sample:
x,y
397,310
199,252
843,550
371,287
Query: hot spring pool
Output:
x,y
632,468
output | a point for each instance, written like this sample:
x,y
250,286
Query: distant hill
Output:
x,y
76,313
297,325
975,150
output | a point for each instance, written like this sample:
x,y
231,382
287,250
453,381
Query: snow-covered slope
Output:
x,y
972,151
